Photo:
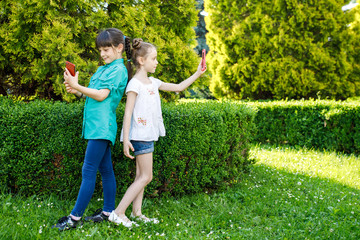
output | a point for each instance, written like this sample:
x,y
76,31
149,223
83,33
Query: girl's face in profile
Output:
x,y
150,61
109,54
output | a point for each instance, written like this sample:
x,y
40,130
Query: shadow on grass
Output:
x,y
266,203
277,204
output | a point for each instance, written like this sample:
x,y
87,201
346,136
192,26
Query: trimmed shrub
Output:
x,y
206,147
320,124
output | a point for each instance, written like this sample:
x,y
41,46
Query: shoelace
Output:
x,y
97,212
63,219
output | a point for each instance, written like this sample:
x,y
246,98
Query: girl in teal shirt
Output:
x,y
103,95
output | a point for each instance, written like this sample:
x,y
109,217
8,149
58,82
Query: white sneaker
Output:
x,y
124,220
144,219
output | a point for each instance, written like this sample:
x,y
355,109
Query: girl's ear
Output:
x,y
120,48
140,60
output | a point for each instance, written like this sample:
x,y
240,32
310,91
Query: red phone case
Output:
x,y
203,61
71,67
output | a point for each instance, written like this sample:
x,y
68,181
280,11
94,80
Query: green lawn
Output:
x,y
288,194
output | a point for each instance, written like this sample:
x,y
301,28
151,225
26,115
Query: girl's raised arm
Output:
x,y
173,87
98,95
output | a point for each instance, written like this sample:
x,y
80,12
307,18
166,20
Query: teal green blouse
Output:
x,y
100,117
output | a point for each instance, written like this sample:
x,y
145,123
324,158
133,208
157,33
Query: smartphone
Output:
x,y
203,61
71,67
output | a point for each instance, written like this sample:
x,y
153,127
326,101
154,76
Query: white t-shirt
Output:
x,y
146,121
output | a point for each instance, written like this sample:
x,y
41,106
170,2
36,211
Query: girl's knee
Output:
x,y
145,179
106,172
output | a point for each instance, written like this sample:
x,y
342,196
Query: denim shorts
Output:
x,y
141,147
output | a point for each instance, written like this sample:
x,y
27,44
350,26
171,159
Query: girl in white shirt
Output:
x,y
143,124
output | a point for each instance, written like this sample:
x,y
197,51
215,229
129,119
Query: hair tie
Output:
x,y
124,37
129,60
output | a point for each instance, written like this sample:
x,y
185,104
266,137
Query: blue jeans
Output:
x,y
97,157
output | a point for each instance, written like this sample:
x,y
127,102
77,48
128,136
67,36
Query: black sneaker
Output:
x,y
98,216
66,223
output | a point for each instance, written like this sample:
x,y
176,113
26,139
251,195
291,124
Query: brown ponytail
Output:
x,y
128,57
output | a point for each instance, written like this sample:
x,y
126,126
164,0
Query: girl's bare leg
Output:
x,y
137,203
144,163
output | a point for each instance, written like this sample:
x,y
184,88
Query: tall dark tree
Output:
x,y
200,29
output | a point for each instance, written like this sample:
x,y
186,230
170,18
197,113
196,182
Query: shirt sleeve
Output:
x,y
157,82
133,86
109,79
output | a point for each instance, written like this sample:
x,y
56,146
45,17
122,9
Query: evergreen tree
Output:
x,y
39,36
282,49
355,30
200,29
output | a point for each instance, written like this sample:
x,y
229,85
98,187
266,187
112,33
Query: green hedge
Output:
x,y
319,124
41,149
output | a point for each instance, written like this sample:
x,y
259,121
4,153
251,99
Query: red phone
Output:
x,y
203,61
71,67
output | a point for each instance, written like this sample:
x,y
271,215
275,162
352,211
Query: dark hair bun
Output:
x,y
137,43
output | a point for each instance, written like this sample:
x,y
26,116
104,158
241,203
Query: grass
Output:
x,y
288,194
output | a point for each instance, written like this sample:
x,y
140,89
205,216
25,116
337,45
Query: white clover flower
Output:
x,y
299,183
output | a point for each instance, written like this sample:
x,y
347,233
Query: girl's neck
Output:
x,y
115,60
142,76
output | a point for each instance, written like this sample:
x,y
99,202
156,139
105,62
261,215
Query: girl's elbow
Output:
x,y
103,97
100,98
180,89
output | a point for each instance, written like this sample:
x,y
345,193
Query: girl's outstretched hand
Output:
x,y
127,146
199,69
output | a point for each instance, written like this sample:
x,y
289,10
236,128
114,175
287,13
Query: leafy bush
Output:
x,y
277,49
41,149
38,36
321,124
